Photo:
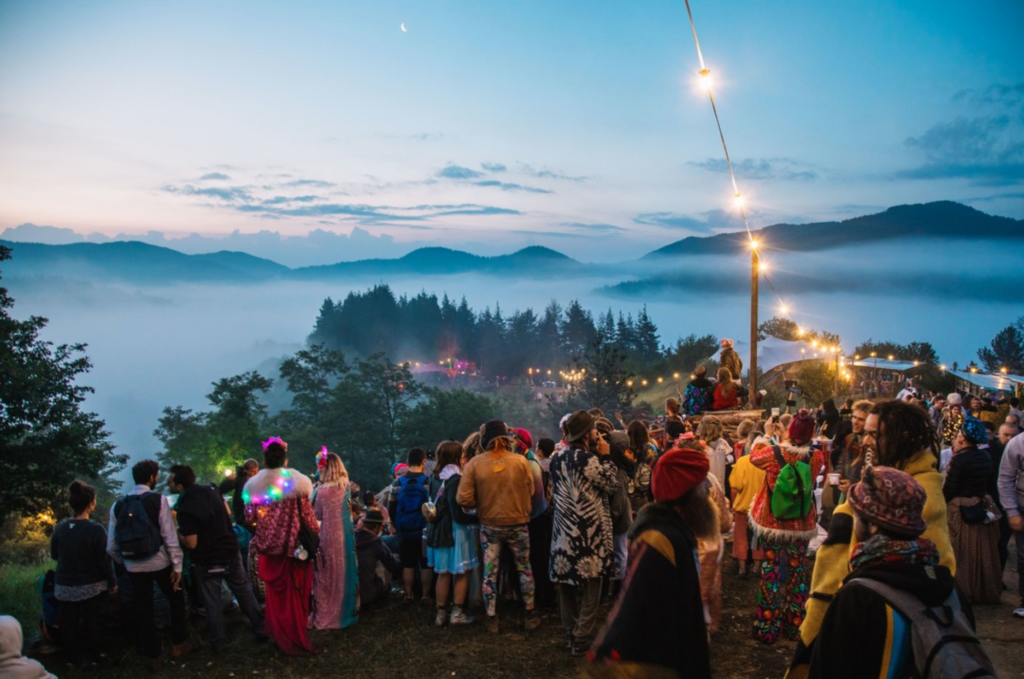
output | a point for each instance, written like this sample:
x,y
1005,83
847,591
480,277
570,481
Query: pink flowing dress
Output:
x,y
329,578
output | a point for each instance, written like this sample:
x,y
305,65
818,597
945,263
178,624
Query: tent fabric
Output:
x,y
990,382
885,364
773,352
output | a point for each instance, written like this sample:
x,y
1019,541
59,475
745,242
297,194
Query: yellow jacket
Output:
x,y
832,562
746,480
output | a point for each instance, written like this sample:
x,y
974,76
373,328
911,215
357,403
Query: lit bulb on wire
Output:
x,y
738,201
705,79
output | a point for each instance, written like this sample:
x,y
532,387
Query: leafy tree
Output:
x,y
371,403
217,440
1006,350
780,328
606,382
444,414
310,374
690,351
46,439
186,438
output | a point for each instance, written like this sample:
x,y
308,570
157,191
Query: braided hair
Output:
x,y
904,430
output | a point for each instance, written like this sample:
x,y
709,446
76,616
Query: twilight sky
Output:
x,y
488,126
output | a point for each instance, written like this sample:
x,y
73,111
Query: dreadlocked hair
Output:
x,y
904,430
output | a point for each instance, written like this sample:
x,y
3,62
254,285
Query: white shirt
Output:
x,y
169,552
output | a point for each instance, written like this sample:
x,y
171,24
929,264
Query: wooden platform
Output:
x,y
730,419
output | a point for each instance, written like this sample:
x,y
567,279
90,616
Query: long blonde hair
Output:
x,y
334,473
725,381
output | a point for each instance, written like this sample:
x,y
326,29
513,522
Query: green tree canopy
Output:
x,y
46,439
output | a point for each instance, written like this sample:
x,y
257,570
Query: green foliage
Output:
x,y
1006,350
19,591
817,381
46,439
605,380
213,441
444,414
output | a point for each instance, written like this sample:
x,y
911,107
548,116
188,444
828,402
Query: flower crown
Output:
x,y
272,439
321,457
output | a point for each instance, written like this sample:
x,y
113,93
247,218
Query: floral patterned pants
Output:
x,y
518,540
782,597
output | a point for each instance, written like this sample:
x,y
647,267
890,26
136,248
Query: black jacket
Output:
x,y
370,550
858,632
80,549
969,474
442,532
659,618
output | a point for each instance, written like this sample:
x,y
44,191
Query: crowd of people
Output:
x,y
636,513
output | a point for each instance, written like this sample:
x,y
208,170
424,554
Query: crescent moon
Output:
x,y
403,28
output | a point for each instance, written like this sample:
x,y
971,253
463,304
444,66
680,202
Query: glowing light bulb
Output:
x,y
738,200
784,309
705,78
890,357
942,367
762,266
753,244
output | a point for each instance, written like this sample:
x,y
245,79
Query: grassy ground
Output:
x,y
18,593
400,642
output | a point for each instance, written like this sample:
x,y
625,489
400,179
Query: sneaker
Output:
x,y
532,620
1019,612
460,618
440,618
578,649
492,624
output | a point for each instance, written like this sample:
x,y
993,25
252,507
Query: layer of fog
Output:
x,y
158,347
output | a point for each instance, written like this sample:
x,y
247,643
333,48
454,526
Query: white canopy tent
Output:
x,y
885,364
990,382
774,352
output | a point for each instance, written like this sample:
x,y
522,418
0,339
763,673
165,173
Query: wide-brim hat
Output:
x,y
578,425
491,432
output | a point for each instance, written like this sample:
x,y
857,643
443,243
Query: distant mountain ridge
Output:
x,y
144,264
943,219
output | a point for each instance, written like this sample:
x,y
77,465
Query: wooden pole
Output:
x,y
754,276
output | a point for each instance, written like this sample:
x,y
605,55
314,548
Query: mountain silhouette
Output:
x,y
943,219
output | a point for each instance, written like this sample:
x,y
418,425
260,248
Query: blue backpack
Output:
x,y
137,531
412,494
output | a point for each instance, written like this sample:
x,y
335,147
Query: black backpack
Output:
x,y
942,640
137,531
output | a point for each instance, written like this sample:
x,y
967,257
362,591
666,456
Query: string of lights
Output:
x,y
705,79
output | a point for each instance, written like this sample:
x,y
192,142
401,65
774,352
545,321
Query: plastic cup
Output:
x,y
833,478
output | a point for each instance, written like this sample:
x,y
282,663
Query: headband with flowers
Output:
x,y
272,439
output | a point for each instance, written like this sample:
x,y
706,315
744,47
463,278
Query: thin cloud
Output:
x,y
761,169
508,186
228,194
599,228
214,176
986,149
526,169
458,172
494,167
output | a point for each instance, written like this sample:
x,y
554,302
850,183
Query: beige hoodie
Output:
x,y
12,664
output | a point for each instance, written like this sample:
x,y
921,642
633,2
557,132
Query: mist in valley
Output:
x,y
153,347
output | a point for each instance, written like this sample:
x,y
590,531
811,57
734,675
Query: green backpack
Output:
x,y
793,491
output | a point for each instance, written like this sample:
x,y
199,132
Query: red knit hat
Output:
x,y
801,428
890,499
677,473
523,439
